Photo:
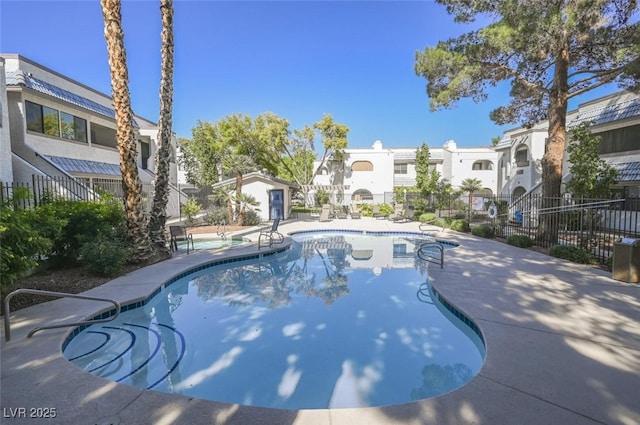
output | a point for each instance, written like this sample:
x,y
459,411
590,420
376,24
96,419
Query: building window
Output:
x,y
399,168
482,165
522,157
49,121
73,128
42,119
145,153
361,166
619,140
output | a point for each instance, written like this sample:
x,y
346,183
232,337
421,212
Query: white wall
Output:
x,y
6,168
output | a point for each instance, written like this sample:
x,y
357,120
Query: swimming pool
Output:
x,y
338,320
215,243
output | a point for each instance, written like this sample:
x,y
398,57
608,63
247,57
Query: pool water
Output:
x,y
338,320
215,243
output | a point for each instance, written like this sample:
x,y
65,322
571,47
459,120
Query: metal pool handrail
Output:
x,y
7,312
426,257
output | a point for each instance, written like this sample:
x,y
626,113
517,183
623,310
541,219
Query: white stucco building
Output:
x,y
616,119
371,174
55,127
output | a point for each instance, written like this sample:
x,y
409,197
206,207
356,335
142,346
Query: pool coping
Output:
x,y
585,374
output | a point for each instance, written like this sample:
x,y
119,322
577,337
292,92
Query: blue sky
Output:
x,y
298,59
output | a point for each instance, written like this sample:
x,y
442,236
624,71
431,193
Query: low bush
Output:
x,y
484,231
252,218
427,217
21,243
521,241
460,226
105,256
216,215
190,209
572,253
83,222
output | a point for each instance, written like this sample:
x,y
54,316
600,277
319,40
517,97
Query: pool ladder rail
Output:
x,y
221,230
7,311
426,252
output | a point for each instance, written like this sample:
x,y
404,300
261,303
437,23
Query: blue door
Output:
x,y
276,204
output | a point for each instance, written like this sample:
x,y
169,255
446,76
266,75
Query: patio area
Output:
x,y
562,347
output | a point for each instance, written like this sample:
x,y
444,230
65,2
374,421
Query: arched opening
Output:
x,y
361,195
482,165
361,166
518,192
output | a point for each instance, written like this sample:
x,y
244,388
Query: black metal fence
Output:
x,y
591,224
43,189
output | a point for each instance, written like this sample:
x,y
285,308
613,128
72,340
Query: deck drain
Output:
x,y
109,420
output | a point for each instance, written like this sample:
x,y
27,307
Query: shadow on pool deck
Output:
x,y
563,346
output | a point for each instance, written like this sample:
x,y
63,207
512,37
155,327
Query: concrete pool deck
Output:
x,y
562,339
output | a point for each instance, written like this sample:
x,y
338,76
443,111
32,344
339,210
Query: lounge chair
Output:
x,y
354,211
405,215
179,234
397,212
271,234
341,213
325,213
376,212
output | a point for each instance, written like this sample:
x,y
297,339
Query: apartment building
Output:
x,y
615,118
371,174
53,126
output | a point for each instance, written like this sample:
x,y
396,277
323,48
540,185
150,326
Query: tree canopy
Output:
x,y
426,178
591,176
267,140
549,51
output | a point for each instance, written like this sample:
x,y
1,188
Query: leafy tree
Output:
x,y
591,176
334,138
426,179
202,154
471,185
444,192
550,51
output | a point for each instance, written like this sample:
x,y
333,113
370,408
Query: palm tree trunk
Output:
x,y
158,217
136,220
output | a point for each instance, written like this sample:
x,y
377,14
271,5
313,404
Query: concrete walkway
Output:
x,y
563,347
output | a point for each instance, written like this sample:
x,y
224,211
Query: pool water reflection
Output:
x,y
339,320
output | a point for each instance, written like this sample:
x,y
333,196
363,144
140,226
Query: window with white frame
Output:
x,y
399,168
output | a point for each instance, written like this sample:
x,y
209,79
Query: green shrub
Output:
x,y
322,197
252,218
21,243
105,256
522,241
190,209
572,253
83,222
427,217
460,225
484,231
216,215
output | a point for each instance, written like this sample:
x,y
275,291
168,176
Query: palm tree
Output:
x,y
132,188
238,164
471,185
158,216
